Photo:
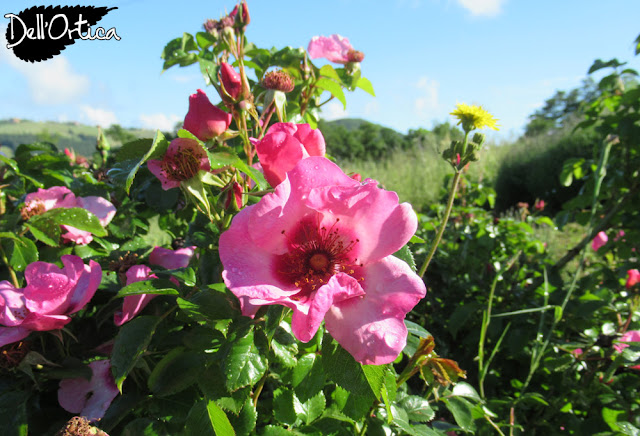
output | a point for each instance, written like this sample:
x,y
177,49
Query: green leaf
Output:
x,y
207,419
46,227
365,85
599,64
330,72
208,304
308,376
152,286
375,377
405,255
244,364
311,409
283,406
130,343
143,427
340,367
246,420
284,345
21,252
417,408
612,416
177,370
333,87
205,39
461,410
464,389
134,149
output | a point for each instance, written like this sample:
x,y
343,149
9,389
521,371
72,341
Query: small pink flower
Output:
x,y
335,48
577,352
322,245
619,236
51,295
164,257
633,277
600,239
539,205
284,145
182,161
61,197
205,120
89,398
630,336
231,81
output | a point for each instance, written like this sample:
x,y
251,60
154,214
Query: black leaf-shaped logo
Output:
x,y
42,32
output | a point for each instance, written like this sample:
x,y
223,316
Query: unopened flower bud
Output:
x,y
230,80
478,138
243,18
278,80
233,199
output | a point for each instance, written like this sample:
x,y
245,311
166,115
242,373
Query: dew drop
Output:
x,y
390,339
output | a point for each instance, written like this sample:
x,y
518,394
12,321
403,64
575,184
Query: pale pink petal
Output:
x,y
44,322
48,292
249,269
80,237
311,139
630,336
279,153
131,306
205,120
334,48
171,259
89,398
155,166
12,308
372,328
600,240
99,206
340,288
86,284
52,198
9,335
633,277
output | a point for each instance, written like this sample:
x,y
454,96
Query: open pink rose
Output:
x,y
630,336
335,48
600,239
322,245
205,120
182,161
633,277
284,145
61,197
51,295
164,257
89,398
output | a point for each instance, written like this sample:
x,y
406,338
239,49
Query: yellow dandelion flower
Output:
x,y
474,117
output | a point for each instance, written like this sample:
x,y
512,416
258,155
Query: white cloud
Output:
x,y
426,103
489,8
100,117
50,82
334,111
159,121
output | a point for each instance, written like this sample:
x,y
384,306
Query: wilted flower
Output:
x,y
473,117
284,145
51,295
89,398
600,239
205,120
79,426
322,245
164,257
182,161
335,48
278,80
633,277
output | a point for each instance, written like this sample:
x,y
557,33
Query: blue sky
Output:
x,y
422,56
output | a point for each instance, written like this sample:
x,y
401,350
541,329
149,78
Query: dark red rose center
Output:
x,y
184,165
315,255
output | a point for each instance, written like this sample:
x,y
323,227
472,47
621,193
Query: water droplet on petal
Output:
x,y
390,339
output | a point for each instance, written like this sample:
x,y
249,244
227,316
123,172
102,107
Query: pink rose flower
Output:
x,y
284,145
51,295
539,205
231,81
630,336
322,245
61,197
600,239
164,257
182,161
633,277
89,398
205,120
335,48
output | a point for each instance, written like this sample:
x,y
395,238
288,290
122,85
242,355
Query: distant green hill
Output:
x,y
348,123
79,137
